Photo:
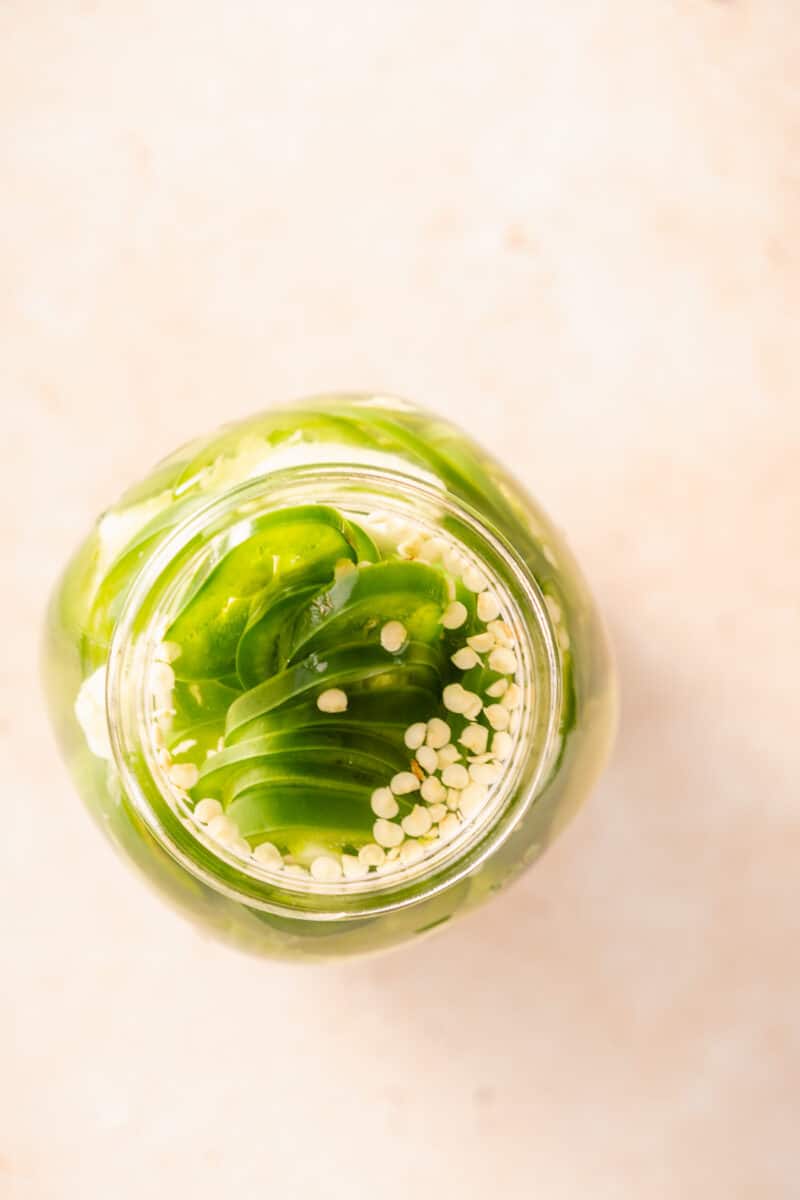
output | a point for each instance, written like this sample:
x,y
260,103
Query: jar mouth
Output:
x,y
349,486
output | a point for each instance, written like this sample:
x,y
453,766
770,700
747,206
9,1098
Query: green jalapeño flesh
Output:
x,y
328,677
337,697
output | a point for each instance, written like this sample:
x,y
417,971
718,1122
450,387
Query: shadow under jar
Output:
x,y
328,677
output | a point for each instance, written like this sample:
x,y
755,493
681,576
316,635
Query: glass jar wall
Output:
x,y
328,677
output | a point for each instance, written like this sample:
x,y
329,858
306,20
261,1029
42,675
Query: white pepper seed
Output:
x,y
472,798
383,803
167,652
438,733
239,847
454,615
410,853
326,869
184,746
502,632
268,855
454,561
428,759
498,716
455,776
418,821
488,606
386,833
296,871
433,790
503,660
334,700
162,678
352,867
371,855
393,636
481,642
183,775
449,827
431,550
465,658
487,773
455,698
163,718
411,547
403,783
502,745
448,754
206,810
475,738
222,829
475,580
497,689
414,736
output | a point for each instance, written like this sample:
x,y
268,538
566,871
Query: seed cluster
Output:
x,y
453,765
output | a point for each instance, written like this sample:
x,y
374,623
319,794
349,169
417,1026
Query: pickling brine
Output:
x,y
328,677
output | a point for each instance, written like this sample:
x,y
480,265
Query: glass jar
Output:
x,y
382,461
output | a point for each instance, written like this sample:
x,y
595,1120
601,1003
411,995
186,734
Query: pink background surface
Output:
x,y
573,227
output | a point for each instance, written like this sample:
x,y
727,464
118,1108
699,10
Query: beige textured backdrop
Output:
x,y
572,226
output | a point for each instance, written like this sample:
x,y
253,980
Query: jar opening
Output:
x,y
159,794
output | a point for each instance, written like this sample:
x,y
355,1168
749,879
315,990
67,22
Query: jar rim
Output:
x,y
138,630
